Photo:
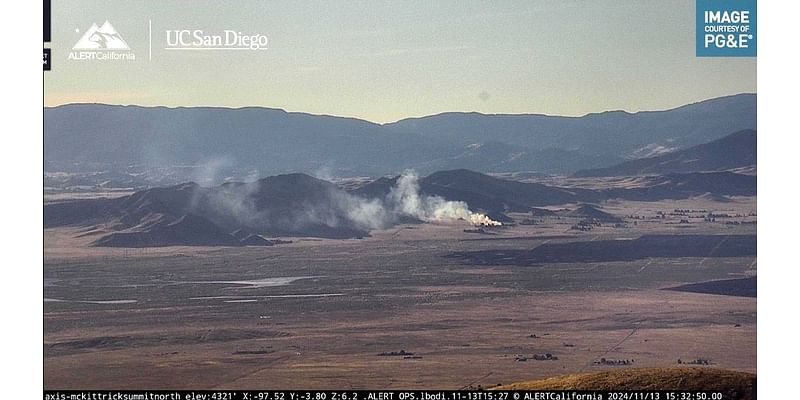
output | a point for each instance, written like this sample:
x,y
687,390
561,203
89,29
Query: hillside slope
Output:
x,y
301,205
733,384
736,150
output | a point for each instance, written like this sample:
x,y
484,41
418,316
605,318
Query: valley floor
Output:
x,y
195,317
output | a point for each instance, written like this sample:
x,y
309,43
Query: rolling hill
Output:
x,y
681,186
495,195
484,192
234,214
231,214
736,150
733,384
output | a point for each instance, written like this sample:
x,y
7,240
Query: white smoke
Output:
x,y
211,172
325,173
479,219
406,199
236,205
367,214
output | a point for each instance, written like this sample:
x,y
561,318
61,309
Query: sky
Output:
x,y
387,60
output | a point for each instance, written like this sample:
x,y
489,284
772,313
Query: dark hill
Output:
x,y
282,205
733,151
255,240
123,212
241,234
188,214
493,194
300,205
248,238
484,192
681,186
188,230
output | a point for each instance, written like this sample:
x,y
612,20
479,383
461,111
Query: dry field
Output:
x,y
466,305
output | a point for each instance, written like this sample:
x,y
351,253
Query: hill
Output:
x,y
736,150
615,133
133,146
681,186
234,214
188,230
231,214
495,195
733,384
483,192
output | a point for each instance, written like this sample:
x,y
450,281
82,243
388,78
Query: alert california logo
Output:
x,y
102,43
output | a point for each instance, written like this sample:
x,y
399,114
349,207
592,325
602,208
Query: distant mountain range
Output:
x,y
612,133
118,146
736,150
235,214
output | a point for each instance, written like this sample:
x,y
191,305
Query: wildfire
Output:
x,y
479,219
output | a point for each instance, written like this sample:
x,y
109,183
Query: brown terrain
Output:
x,y
732,384
415,306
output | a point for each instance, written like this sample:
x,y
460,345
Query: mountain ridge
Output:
x,y
157,145
733,151
405,118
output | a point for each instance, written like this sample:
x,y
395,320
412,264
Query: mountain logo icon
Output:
x,y
102,38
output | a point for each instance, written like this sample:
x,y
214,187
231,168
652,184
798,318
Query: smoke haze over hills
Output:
x,y
301,205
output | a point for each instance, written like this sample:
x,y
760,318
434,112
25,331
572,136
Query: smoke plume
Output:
x,y
405,198
236,205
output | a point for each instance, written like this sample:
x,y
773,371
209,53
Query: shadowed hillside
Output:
x,y
231,214
643,247
301,205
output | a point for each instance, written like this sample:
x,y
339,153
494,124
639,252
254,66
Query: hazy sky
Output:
x,y
387,60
